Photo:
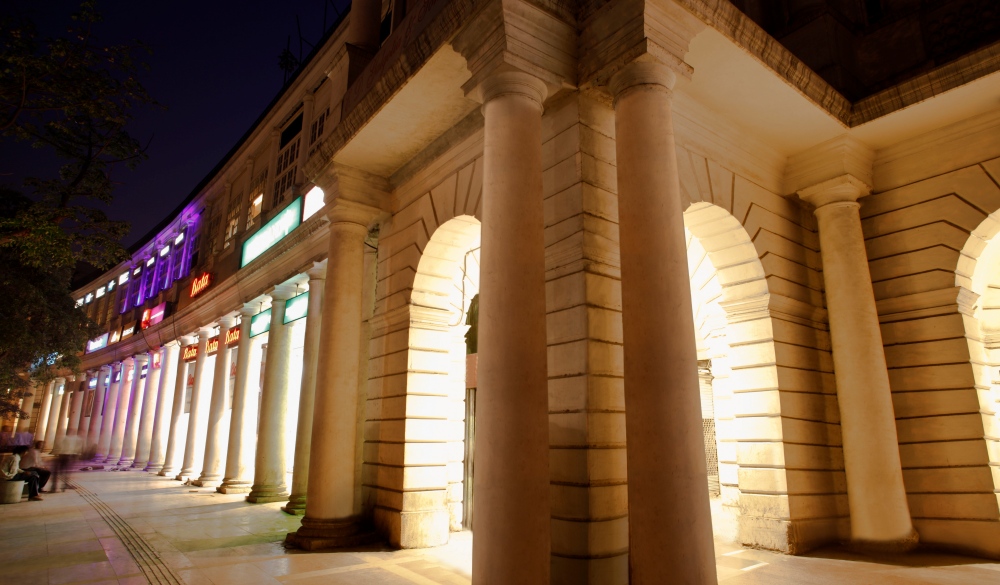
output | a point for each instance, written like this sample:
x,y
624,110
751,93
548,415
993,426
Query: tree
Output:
x,y
70,97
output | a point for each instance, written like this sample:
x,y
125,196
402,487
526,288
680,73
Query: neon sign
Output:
x,y
97,343
261,323
128,331
153,316
296,307
213,346
117,335
156,360
199,284
232,336
190,352
272,232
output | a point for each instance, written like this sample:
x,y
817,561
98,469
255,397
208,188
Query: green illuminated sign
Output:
x,y
272,232
297,307
260,323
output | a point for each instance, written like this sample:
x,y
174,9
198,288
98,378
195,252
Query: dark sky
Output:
x,y
213,67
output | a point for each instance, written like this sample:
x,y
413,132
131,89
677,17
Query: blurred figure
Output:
x,y
32,461
68,454
10,470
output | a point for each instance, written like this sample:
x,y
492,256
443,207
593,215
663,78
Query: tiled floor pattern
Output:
x,y
204,538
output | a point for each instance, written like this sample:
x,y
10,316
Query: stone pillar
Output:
x,y
363,25
511,483
28,406
670,524
270,462
52,424
331,518
119,374
150,395
63,419
76,407
242,424
97,412
45,407
880,516
193,445
164,399
174,447
211,474
126,416
310,356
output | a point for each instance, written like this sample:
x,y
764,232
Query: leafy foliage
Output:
x,y
71,97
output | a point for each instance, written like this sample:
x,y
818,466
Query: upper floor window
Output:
x,y
232,219
317,126
288,156
256,198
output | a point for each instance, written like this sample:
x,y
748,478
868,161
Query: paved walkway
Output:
x,y
134,528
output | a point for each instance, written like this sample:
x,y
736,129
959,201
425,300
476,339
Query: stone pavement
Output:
x,y
134,528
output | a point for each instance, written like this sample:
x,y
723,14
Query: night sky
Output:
x,y
214,69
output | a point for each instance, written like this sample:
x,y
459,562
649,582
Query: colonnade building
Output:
x,y
577,276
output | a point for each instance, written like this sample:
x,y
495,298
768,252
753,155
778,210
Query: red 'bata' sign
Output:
x,y
190,352
199,284
213,346
232,336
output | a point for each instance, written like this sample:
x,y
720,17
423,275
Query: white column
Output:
x,y
164,400
76,406
331,519
43,412
270,462
512,445
97,412
134,406
211,474
174,447
310,357
670,523
119,375
28,406
243,421
52,426
127,391
63,421
880,515
150,395
194,445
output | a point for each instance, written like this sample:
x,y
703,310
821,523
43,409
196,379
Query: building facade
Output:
x,y
699,282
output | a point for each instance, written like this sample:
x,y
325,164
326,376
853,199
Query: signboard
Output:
x,y
272,232
97,343
189,388
118,376
232,336
213,346
142,372
92,383
200,284
296,307
115,336
153,316
128,330
232,375
190,352
261,323
156,360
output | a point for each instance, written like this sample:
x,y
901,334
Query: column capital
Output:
x,y
510,82
249,309
172,343
205,332
343,184
318,271
843,189
352,214
140,358
187,340
107,368
648,74
283,292
227,322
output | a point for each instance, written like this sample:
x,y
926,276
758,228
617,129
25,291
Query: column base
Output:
x,y
234,488
296,505
138,465
324,534
207,482
153,467
267,493
182,477
886,547
124,463
166,472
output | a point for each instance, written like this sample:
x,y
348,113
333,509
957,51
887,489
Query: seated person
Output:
x,y
32,461
10,469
